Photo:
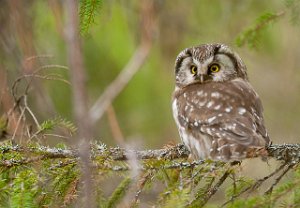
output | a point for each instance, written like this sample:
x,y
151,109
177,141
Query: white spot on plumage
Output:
x,y
230,127
201,104
184,95
220,148
199,93
220,114
211,119
195,123
215,94
227,110
217,107
208,131
209,104
241,110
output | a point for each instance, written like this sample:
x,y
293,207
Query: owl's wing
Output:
x,y
230,113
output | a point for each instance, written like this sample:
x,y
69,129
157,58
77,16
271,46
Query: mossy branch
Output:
x,y
290,153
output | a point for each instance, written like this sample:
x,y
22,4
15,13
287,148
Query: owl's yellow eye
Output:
x,y
214,68
193,69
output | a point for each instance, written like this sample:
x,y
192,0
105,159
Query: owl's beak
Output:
x,y
202,78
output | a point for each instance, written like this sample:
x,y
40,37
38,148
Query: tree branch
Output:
x,y
290,153
135,63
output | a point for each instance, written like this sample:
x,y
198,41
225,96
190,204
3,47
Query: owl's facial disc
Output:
x,y
202,73
222,68
208,63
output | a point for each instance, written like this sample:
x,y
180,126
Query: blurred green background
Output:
x,y
143,109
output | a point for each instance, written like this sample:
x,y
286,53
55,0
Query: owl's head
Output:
x,y
208,63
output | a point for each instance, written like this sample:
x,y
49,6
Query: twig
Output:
x,y
57,135
148,26
269,191
80,101
260,181
140,186
113,90
18,124
215,188
30,112
32,58
257,184
114,126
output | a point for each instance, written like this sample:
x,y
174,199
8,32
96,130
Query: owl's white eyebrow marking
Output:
x,y
196,61
209,104
241,110
211,119
215,94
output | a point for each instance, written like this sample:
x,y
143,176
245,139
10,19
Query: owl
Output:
x,y
218,113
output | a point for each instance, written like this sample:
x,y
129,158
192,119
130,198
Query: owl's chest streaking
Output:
x,y
219,120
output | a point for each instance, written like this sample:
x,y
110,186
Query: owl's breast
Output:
x,y
219,120
212,103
